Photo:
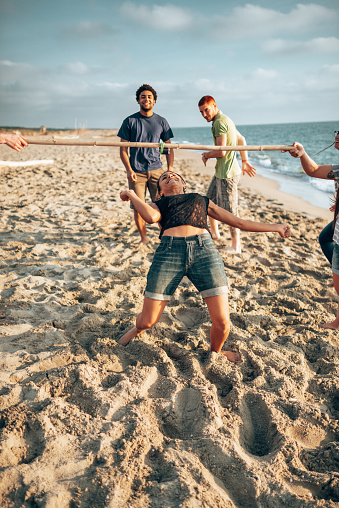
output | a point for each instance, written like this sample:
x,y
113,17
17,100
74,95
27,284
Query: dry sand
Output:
x,y
161,422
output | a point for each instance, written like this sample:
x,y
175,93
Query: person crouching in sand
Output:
x,y
187,249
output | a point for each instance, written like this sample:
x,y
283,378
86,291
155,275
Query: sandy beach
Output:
x,y
162,422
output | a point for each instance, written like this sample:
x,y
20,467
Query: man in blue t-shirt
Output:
x,y
143,165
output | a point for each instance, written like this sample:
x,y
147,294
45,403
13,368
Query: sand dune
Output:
x,y
161,422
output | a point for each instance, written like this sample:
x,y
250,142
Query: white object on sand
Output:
x,y
15,164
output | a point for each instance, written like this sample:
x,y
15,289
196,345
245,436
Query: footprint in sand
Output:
x,y
190,317
185,415
258,434
22,439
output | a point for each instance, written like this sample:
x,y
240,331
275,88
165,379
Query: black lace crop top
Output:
x,y
183,209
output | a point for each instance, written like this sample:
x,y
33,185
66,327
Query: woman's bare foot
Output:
x,y
129,336
232,356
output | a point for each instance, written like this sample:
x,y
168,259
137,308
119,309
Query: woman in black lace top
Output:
x,y
187,249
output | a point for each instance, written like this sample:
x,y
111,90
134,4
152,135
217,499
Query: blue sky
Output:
x,y
70,62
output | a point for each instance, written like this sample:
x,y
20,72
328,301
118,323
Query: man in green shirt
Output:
x,y
223,189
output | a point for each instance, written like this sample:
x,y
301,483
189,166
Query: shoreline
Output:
x,y
258,185
267,187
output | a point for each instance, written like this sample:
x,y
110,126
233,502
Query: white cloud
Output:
x,y
264,74
163,18
324,45
317,45
75,68
54,98
30,86
86,29
253,20
11,71
111,86
331,69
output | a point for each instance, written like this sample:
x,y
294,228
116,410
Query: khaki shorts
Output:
x,y
224,193
147,180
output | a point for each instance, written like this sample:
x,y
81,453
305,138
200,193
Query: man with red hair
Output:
x,y
223,189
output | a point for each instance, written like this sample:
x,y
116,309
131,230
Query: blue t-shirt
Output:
x,y
145,129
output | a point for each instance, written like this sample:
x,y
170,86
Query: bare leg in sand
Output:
x,y
141,227
214,228
235,236
334,325
219,312
185,242
236,246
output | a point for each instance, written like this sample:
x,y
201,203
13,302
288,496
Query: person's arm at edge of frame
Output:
x,y
310,167
131,176
149,212
170,157
13,141
246,166
229,218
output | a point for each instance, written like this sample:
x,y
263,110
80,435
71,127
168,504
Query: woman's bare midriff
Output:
x,y
182,231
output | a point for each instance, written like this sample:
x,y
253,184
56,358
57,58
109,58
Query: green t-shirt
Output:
x,y
227,166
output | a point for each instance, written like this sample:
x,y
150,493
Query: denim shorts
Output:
x,y
335,259
195,257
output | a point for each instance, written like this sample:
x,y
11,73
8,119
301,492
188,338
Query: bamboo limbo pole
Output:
x,y
176,146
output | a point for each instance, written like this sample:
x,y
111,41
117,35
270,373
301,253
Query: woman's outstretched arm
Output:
x,y
226,217
150,213
310,167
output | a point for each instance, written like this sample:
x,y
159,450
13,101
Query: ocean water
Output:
x,y
278,166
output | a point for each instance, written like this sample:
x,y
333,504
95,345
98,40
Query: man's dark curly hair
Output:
x,y
144,87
